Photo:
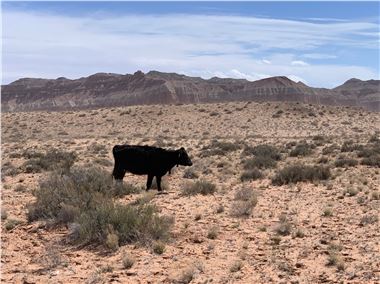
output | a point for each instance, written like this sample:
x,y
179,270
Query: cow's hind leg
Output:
x,y
149,182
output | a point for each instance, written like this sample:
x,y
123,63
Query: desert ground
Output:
x,y
322,230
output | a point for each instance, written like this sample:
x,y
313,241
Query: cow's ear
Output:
x,y
182,149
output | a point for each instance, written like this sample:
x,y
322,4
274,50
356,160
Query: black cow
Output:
x,y
147,160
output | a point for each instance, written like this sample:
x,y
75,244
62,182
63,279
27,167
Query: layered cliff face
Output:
x,y
361,93
107,89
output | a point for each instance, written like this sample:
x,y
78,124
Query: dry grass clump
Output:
x,y
158,247
186,276
213,232
199,187
245,201
334,257
284,227
369,219
298,172
236,266
11,223
128,261
190,173
85,197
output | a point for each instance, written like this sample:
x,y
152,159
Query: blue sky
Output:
x,y
322,44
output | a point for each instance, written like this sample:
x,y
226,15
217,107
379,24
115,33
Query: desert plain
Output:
x,y
323,230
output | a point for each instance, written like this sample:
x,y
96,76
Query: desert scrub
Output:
x,y
334,256
330,149
236,266
219,148
244,201
373,161
284,227
190,173
199,187
252,174
263,150
260,162
4,213
213,232
302,149
128,261
298,173
53,159
11,223
350,146
158,247
85,197
7,169
345,162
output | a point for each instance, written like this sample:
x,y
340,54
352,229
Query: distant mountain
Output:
x,y
108,89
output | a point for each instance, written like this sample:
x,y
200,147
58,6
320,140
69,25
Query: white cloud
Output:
x,y
299,63
319,56
51,46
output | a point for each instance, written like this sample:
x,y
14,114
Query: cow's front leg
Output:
x,y
158,180
149,182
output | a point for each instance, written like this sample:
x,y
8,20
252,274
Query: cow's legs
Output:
x,y
158,180
149,182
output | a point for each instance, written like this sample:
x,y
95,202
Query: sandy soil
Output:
x,y
245,250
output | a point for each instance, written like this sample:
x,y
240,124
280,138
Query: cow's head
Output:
x,y
183,158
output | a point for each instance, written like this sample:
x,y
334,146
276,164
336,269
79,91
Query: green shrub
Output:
x,y
85,196
53,159
252,174
199,187
298,172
